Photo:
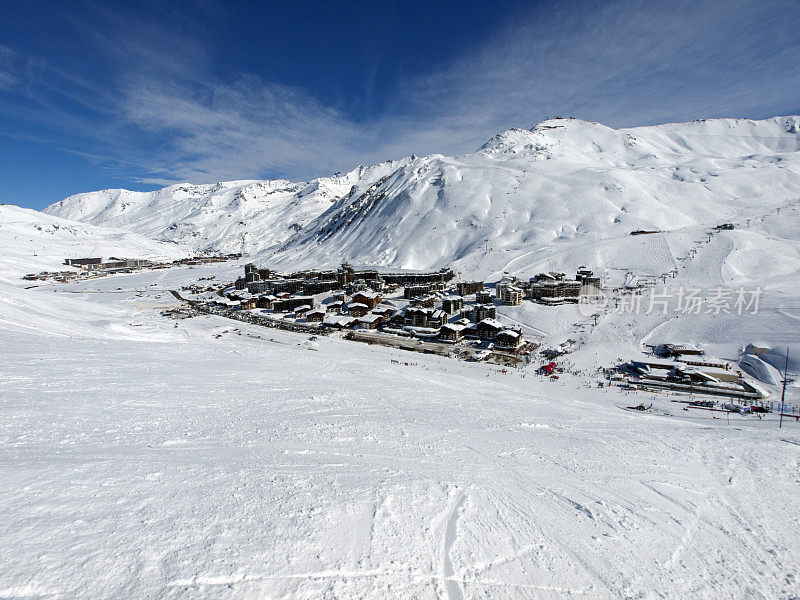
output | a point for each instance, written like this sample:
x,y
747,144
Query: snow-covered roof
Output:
x,y
370,318
492,323
510,333
367,294
339,320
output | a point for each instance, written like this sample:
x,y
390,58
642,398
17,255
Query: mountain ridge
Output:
x,y
560,181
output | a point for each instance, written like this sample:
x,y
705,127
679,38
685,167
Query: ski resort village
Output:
x,y
564,365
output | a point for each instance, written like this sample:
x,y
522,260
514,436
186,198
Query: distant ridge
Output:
x,y
563,182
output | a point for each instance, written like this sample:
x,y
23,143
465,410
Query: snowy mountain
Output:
x,y
223,217
563,184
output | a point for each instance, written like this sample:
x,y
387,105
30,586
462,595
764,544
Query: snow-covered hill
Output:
x,y
527,195
224,217
564,185
31,242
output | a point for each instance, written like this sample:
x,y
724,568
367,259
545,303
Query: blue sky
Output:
x,y
144,94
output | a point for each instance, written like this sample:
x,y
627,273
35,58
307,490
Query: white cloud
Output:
x,y
7,77
169,118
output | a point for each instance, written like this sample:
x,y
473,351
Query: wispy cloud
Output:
x,y
7,78
168,116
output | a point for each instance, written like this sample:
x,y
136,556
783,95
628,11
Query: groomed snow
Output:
x,y
145,457
203,458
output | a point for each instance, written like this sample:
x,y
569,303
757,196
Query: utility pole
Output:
x,y
785,379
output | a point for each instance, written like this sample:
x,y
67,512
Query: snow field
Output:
x,y
235,467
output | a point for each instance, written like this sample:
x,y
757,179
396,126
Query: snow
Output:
x,y
32,242
225,217
151,457
202,461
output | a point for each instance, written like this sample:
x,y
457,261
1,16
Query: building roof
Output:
x,y
510,333
339,320
367,294
491,323
370,318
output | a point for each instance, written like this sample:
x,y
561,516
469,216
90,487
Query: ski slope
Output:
x,y
205,458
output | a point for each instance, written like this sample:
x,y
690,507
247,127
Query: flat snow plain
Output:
x,y
148,458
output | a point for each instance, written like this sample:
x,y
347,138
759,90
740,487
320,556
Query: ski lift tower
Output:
x,y
785,381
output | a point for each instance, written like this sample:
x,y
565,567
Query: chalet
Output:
x,y
370,299
384,310
266,300
370,321
508,340
398,319
334,306
339,321
357,309
315,315
301,310
451,332
484,297
488,329
249,303
452,304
